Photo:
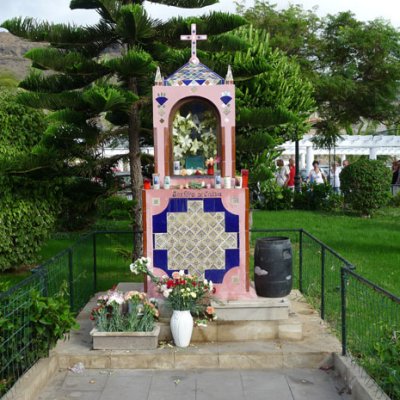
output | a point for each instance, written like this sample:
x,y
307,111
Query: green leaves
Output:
x,y
134,63
38,82
185,3
134,25
106,98
365,185
68,62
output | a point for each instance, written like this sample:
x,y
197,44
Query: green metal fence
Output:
x,y
364,316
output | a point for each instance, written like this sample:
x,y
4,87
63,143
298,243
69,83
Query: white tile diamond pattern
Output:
x,y
196,240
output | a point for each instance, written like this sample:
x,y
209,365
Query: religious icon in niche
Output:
x,y
194,137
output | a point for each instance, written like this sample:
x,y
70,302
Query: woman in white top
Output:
x,y
316,175
281,174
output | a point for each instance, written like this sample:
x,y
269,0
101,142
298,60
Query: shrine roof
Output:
x,y
192,74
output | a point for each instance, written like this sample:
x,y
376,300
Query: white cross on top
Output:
x,y
193,37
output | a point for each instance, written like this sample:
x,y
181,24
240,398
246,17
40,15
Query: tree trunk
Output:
x,y
136,173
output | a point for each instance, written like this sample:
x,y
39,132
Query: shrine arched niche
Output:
x,y
194,136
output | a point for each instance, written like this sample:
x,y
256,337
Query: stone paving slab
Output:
x,y
286,384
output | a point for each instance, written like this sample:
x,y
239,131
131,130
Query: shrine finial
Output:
x,y
194,37
158,79
229,75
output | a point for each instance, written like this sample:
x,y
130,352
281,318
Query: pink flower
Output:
x,y
176,275
210,310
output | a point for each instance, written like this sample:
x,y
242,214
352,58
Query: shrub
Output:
x,y
396,200
383,362
31,331
27,203
115,208
24,225
317,197
271,196
78,203
365,185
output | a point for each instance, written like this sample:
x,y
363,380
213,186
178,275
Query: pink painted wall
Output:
x,y
174,94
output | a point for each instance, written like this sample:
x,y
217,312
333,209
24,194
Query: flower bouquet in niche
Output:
x,y
186,294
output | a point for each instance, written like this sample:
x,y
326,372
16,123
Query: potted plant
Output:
x,y
186,294
125,321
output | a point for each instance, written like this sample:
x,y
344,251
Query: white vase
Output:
x,y
181,327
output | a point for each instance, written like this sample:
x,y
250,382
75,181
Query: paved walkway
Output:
x,y
290,384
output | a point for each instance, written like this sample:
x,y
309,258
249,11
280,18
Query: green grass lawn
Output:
x,y
372,245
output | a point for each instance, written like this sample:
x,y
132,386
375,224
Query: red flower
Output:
x,y
170,283
194,283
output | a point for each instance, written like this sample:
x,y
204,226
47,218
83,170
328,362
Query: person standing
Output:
x,y
395,171
335,177
292,172
282,173
316,175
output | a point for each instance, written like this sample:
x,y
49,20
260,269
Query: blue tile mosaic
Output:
x,y
192,74
198,235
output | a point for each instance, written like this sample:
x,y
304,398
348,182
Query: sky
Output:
x,y
58,10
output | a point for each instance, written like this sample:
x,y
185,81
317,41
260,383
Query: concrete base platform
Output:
x,y
240,331
259,309
277,351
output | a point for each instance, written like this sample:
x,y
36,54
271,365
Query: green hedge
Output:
x,y
365,185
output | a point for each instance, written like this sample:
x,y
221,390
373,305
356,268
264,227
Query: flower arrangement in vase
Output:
x,y
186,294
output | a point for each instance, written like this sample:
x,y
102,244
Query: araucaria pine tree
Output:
x,y
84,84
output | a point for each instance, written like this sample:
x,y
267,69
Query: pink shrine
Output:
x,y
195,217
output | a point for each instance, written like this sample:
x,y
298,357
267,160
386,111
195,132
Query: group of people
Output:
x,y
285,174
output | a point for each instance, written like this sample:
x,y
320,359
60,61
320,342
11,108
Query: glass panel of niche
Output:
x,y
195,138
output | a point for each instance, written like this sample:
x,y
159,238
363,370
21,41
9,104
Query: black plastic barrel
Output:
x,y
273,266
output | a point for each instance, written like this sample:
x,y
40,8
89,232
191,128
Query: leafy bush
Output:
x,y
51,319
383,364
365,185
24,225
30,333
317,197
271,196
396,200
27,205
78,203
115,208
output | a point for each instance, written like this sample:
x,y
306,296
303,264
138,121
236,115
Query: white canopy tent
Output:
x,y
371,145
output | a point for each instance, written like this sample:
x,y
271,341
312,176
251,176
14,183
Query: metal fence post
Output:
x,y
301,261
94,263
343,304
322,282
71,279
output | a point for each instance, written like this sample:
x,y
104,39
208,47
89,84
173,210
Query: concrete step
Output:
x,y
229,355
234,331
216,346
